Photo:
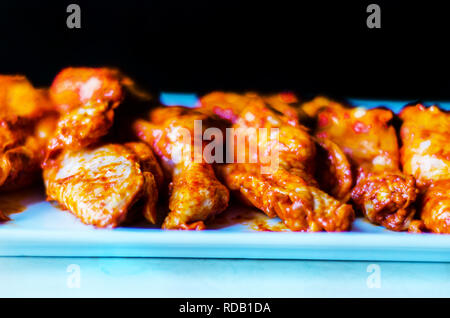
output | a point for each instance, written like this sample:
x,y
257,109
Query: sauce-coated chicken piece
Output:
x,y
81,127
435,213
297,148
25,116
153,177
334,175
22,151
86,99
302,207
18,98
333,171
100,185
289,190
26,120
425,154
286,104
195,193
75,87
383,193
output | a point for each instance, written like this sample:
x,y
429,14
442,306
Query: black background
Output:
x,y
170,307
310,47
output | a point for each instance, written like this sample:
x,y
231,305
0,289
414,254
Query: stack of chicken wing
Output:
x,y
110,162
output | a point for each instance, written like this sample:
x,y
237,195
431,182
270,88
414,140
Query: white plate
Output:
x,y
44,230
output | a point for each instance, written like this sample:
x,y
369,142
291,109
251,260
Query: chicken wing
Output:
x,y
425,154
100,185
195,193
25,117
20,155
86,99
383,193
333,172
18,98
75,87
289,190
153,177
301,207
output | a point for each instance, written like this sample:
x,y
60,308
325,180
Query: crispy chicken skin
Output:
x,y
383,193
101,184
86,99
195,193
425,154
288,191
